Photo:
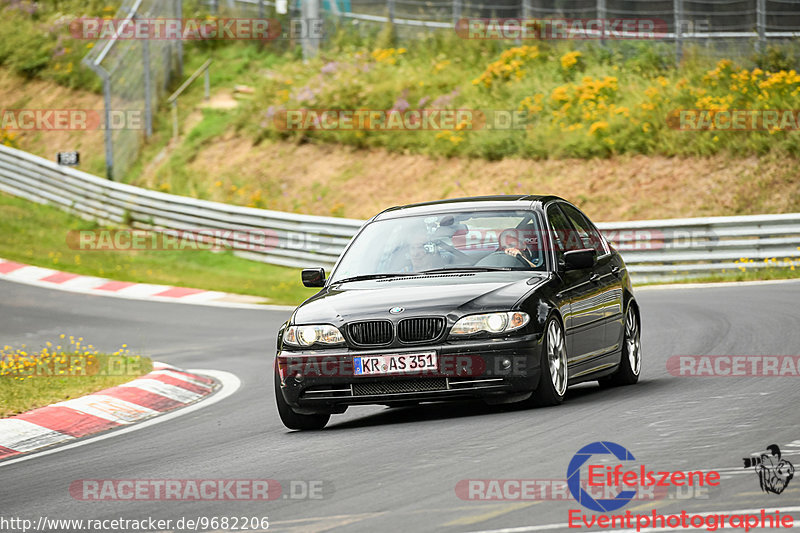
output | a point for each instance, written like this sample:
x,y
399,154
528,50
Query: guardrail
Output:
x,y
653,249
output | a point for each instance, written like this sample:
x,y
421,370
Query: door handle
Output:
x,y
615,270
594,276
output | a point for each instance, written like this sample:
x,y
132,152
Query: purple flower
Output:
x,y
423,101
305,94
445,100
401,104
330,67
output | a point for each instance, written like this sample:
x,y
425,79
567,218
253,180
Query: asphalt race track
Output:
x,y
396,469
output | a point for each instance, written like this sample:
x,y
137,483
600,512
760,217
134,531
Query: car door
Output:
x,y
583,318
606,277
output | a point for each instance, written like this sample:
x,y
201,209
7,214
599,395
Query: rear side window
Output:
x,y
587,233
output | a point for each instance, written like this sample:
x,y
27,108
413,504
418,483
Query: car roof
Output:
x,y
501,201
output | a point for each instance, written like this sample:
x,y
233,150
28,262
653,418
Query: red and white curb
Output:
x,y
66,281
164,389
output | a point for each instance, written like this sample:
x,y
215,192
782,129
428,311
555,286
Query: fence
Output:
x,y
653,249
724,26
135,73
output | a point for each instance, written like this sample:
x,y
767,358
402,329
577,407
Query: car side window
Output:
x,y
562,232
588,234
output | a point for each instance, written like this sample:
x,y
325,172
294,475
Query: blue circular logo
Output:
x,y
396,310
574,476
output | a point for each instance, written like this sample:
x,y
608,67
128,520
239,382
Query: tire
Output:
x,y
630,366
293,420
554,374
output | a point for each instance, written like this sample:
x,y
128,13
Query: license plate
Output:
x,y
407,363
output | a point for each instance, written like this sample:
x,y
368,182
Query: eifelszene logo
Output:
x,y
599,475
774,473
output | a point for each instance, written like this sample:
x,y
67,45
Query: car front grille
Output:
x,y
371,333
420,329
399,386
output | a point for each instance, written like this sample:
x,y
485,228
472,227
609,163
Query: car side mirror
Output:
x,y
313,277
579,259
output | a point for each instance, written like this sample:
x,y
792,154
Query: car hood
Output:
x,y
424,295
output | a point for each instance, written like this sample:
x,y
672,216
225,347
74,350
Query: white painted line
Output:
x,y
108,408
172,392
24,436
565,525
230,383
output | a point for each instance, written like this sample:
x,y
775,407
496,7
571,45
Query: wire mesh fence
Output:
x,y
135,74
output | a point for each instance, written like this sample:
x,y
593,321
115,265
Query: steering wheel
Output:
x,y
450,248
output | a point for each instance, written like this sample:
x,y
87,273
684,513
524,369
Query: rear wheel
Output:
x,y
630,366
554,375
293,420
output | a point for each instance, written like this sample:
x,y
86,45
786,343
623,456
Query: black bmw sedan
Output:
x,y
503,298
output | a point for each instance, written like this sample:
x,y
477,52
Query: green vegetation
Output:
x,y
31,379
589,102
37,235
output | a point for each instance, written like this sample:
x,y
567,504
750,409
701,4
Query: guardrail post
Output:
x,y
678,14
761,24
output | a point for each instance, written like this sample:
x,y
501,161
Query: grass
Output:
x,y
744,274
55,373
37,235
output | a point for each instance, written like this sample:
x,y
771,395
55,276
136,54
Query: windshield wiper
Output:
x,y
364,277
466,269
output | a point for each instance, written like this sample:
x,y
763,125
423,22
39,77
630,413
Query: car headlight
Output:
x,y
313,334
490,322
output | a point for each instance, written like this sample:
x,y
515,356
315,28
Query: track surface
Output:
x,y
396,469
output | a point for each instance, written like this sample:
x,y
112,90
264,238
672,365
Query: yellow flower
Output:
x,y
570,59
598,126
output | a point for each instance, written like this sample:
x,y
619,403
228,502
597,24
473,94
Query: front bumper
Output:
x,y
324,380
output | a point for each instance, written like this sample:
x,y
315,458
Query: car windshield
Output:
x,y
482,240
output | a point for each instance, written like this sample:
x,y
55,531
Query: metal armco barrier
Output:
x,y
653,249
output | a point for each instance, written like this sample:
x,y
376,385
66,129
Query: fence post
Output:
x,y
207,84
761,24
390,10
526,9
148,89
179,40
457,12
601,16
678,10
310,13
108,138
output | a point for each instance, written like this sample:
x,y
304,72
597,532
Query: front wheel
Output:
x,y
630,366
293,420
554,375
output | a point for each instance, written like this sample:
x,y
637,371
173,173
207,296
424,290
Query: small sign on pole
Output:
x,y
69,159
